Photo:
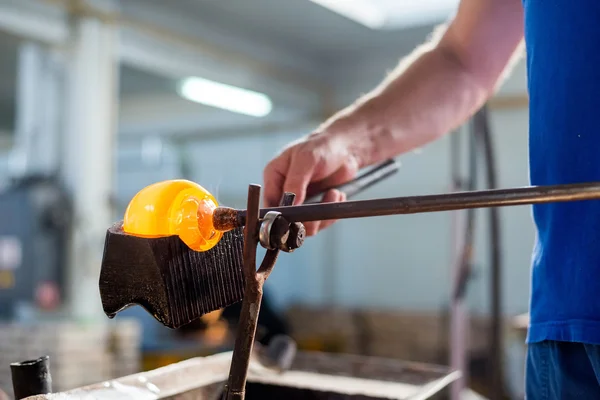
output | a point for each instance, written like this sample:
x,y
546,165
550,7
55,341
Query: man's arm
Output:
x,y
431,92
439,86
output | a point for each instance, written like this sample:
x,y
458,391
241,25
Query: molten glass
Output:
x,y
174,207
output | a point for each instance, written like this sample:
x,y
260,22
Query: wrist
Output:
x,y
359,135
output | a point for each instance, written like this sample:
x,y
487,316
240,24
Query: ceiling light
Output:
x,y
392,14
226,97
362,11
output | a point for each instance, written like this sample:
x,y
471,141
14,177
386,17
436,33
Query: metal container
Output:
x,y
312,376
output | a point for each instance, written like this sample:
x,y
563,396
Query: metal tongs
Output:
x,y
271,228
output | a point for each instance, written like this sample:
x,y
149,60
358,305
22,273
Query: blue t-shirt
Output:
x,y
563,60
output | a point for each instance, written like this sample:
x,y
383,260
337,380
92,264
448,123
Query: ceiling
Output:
x,y
392,14
304,25
138,82
298,29
271,31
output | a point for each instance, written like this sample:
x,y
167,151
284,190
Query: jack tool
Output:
x,y
177,284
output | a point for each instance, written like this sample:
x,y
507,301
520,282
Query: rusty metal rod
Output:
x,y
244,340
227,218
255,279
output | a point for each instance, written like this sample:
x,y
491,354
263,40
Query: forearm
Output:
x,y
429,94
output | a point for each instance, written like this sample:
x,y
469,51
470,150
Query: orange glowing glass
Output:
x,y
174,207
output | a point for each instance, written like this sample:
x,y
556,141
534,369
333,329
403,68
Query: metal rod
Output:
x,y
375,175
481,125
466,256
238,373
434,203
255,279
462,229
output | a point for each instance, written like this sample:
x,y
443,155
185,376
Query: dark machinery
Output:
x,y
35,217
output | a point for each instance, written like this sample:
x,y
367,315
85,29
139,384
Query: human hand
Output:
x,y
308,166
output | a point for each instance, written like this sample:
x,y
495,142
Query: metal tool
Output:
x,y
271,228
356,209
363,182
255,279
400,205
226,218
176,284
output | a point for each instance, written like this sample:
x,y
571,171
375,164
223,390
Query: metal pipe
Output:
x,y
466,256
481,125
226,218
31,378
244,340
463,228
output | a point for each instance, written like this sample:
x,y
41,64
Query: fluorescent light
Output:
x,y
362,11
391,14
408,13
226,97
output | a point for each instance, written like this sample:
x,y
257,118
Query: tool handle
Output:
x,y
362,182
437,202
226,218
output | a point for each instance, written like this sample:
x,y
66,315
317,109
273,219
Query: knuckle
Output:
x,y
308,154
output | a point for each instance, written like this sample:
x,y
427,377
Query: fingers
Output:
x,y
298,177
291,171
344,174
332,196
311,228
274,177
311,165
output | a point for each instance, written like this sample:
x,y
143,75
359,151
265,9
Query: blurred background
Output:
x,y
100,98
